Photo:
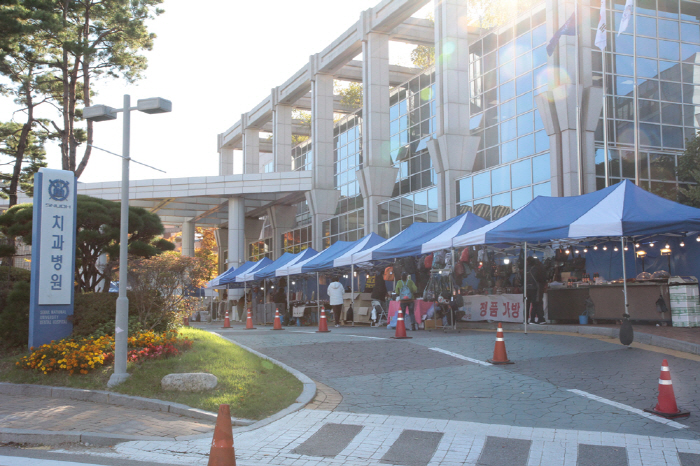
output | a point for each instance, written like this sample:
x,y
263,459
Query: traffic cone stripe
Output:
x,y
323,316
665,369
665,382
500,339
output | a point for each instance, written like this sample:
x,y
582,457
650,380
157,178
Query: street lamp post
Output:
x,y
121,324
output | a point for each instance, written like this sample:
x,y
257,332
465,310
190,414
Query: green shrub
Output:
x,y
94,315
14,317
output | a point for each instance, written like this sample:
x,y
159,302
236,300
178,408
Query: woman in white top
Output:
x,y
335,294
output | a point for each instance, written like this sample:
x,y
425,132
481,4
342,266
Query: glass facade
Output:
x,y
302,156
349,223
412,125
507,70
297,240
263,247
668,85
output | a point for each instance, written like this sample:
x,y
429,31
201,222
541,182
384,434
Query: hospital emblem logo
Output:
x,y
58,190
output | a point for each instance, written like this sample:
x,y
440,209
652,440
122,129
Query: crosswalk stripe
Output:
x,y
329,440
595,455
413,448
499,451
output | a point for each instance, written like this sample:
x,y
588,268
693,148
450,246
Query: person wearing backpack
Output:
x,y
407,289
335,295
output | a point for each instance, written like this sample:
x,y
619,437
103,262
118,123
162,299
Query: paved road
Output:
x,y
410,378
431,401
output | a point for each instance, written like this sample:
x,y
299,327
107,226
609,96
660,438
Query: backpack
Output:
x,y
405,292
349,314
389,274
409,265
464,257
439,260
429,261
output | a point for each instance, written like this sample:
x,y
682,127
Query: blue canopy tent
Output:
x,y
326,260
266,271
302,257
214,282
259,265
230,275
411,241
623,211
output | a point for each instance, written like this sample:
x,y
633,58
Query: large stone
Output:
x,y
191,382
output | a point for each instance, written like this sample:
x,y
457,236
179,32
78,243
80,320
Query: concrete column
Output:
x,y
281,134
188,238
322,205
322,130
221,235
251,147
236,232
283,219
225,159
548,113
377,175
323,199
454,152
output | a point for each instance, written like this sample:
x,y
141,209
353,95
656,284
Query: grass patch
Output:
x,y
254,387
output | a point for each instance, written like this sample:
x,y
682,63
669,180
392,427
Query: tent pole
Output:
x,y
288,301
525,287
624,276
245,300
352,291
318,300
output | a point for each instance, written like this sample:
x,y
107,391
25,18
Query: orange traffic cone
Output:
x,y
227,322
249,321
666,405
278,322
185,321
499,352
222,452
322,322
400,327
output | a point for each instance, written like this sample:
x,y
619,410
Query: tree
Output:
x,y
423,56
82,41
26,152
206,251
688,171
158,286
351,95
305,120
98,222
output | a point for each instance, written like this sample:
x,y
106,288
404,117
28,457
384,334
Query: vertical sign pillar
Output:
x,y
53,256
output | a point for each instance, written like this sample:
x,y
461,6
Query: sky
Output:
x,y
214,60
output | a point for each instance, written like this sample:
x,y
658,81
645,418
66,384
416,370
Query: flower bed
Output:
x,y
81,355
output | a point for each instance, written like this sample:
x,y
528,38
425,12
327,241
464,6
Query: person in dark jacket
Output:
x,y
379,293
536,283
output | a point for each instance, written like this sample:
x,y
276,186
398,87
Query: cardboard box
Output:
x,y
429,324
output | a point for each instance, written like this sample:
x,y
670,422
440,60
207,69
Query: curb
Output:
x,y
307,394
52,437
639,337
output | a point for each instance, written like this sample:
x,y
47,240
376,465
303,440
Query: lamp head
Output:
x,y
154,105
99,113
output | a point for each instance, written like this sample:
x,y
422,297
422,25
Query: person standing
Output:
x,y
407,289
378,295
335,295
536,282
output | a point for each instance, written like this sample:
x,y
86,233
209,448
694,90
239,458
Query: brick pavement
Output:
x,y
52,414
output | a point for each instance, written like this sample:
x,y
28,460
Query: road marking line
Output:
x,y
653,417
459,356
342,335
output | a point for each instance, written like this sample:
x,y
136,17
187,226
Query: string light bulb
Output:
x,y
567,251
595,248
667,246
651,245
682,244
615,249
585,249
626,248
605,248
637,245
697,238
576,251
